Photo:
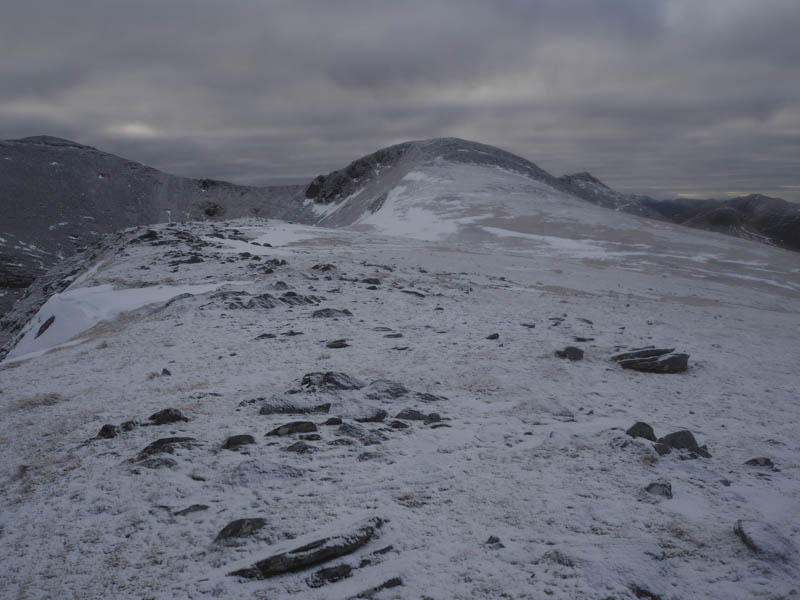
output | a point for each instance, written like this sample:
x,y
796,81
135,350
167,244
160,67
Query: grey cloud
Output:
x,y
663,96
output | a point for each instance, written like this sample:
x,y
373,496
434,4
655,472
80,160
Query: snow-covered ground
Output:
x,y
533,449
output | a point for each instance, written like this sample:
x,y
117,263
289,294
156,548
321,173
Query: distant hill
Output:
x,y
58,195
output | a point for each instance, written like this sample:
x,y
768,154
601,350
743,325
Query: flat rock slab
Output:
x,y
315,553
294,427
668,363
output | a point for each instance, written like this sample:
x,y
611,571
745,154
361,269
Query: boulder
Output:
x,y
571,353
642,430
235,442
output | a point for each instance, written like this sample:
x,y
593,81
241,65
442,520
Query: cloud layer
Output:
x,y
665,97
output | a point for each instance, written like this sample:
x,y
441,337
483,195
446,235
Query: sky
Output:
x,y
696,98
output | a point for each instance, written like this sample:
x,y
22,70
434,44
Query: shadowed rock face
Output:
x,y
58,196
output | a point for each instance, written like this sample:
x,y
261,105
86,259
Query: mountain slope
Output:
x,y
471,461
58,196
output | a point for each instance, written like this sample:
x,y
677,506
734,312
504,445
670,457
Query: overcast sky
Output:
x,y
665,97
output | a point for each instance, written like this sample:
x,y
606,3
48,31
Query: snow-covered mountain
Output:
x,y
58,196
420,402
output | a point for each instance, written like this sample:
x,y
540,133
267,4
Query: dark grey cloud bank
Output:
x,y
666,97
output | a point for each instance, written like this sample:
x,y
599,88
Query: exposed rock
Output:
x,y
646,352
165,372
337,344
571,353
393,335
389,583
410,414
662,449
493,539
235,442
376,416
371,281
414,293
108,431
165,446
329,575
294,427
653,360
166,416
684,440
190,509
300,448
129,425
323,267
333,421
316,552
642,430
256,474
311,437
493,336
426,397
384,389
281,405
660,488
240,528
765,540
680,440
46,325
761,461
642,592
331,380
398,425
325,313
367,437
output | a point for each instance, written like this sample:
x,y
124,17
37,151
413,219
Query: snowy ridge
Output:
x,y
495,468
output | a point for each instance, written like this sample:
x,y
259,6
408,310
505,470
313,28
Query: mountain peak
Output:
x,y
49,140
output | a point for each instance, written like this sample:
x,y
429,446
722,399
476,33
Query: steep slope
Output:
x,y
57,196
470,461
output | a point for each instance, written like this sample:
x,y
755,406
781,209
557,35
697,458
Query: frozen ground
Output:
x,y
533,450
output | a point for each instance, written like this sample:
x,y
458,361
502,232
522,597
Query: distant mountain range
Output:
x,y
58,196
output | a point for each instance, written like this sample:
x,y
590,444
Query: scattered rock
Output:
x,y
129,425
367,437
330,380
398,425
280,405
292,332
393,335
684,440
653,360
571,353
191,509
326,313
294,427
300,448
266,336
45,326
240,528
165,372
311,437
108,431
642,430
410,414
333,421
662,449
371,281
384,389
323,267
389,583
765,540
761,461
660,488
337,344
235,442
493,336
329,575
494,541
166,416
414,293
642,592
376,416
316,552
165,446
